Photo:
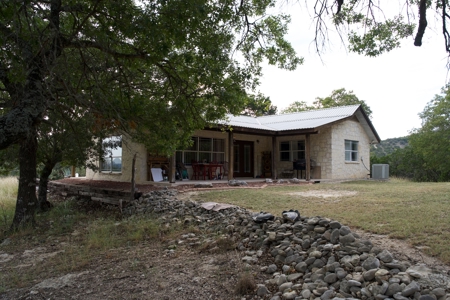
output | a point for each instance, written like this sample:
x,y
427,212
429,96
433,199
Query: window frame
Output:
x,y
292,152
351,154
214,150
108,156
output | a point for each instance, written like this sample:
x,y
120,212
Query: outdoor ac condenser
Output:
x,y
380,171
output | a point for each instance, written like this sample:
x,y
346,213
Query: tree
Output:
x,y
341,97
296,106
66,137
338,97
427,153
431,141
259,105
98,56
372,29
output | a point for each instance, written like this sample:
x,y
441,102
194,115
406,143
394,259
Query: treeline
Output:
x,y
425,155
388,146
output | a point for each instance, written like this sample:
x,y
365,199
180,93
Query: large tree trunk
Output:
x,y
43,203
26,196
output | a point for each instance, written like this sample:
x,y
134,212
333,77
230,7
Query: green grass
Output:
x,y
416,212
8,194
86,233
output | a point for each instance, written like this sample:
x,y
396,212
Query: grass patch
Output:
x,y
8,195
246,284
75,235
104,234
416,212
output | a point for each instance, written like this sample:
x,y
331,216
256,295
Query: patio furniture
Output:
x,y
212,169
199,171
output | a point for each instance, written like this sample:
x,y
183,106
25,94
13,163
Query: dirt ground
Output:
x,y
164,269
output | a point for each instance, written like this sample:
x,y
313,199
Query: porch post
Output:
x,y
308,156
274,148
172,166
230,155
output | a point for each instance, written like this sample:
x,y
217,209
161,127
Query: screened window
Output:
x,y
292,150
203,149
351,150
112,158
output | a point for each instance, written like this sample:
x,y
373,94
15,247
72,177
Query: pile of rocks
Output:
x,y
313,257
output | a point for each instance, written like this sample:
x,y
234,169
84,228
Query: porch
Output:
x,y
118,192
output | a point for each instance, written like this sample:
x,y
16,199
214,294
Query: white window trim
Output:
x,y
111,157
351,151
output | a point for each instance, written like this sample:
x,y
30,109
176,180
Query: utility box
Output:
x,y
380,171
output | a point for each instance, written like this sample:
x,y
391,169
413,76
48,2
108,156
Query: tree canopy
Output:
x,y
431,141
296,106
258,105
155,69
374,28
339,97
426,156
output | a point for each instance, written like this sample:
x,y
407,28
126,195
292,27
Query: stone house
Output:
x,y
331,143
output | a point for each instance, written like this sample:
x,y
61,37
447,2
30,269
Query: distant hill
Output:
x,y
388,146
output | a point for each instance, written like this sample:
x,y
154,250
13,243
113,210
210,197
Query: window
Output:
x,y
112,158
292,150
351,150
208,149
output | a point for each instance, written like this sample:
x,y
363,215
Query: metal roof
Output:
x,y
300,120
304,120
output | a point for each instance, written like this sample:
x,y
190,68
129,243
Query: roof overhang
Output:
x,y
309,122
263,132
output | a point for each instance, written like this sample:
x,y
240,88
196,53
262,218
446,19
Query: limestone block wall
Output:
x,y
321,151
129,148
341,169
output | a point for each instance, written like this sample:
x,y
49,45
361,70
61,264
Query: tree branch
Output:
x,y
422,23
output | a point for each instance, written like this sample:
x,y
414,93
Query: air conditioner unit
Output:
x,y
380,171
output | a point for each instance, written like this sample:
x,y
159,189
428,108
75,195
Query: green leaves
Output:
x,y
426,158
168,67
380,37
341,97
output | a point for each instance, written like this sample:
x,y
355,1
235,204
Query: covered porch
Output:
x,y
253,154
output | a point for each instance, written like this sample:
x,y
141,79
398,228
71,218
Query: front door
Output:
x,y
243,159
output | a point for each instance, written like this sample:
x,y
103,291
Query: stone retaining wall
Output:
x,y
309,258
88,192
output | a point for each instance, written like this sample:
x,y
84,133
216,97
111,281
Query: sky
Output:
x,y
396,86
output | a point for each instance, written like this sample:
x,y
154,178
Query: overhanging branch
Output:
x,y
422,22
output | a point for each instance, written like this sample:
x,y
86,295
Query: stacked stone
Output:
x,y
319,258
312,258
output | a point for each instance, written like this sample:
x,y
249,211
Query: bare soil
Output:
x,y
150,270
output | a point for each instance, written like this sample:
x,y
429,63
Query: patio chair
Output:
x,y
213,166
225,170
198,171
182,171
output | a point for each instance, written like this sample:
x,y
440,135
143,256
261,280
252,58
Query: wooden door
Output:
x,y
243,164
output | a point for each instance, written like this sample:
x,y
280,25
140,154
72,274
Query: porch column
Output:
x,y
230,155
274,148
172,167
308,156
